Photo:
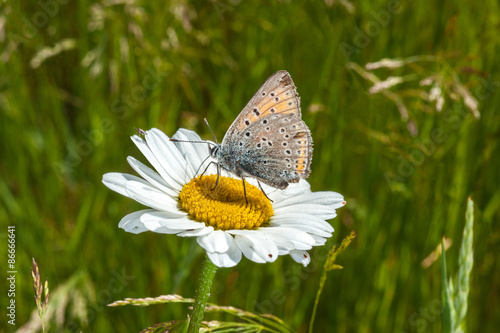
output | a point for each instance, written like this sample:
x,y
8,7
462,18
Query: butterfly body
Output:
x,y
268,140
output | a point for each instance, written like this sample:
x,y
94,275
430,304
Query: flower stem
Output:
x,y
207,277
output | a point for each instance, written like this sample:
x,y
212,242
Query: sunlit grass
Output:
x,y
67,121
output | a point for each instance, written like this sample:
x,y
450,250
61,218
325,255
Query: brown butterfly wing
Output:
x,y
278,95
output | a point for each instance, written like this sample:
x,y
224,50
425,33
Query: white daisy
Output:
x,y
187,205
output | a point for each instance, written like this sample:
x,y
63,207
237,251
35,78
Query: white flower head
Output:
x,y
189,205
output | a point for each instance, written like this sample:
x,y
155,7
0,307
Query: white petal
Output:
x,y
318,240
298,239
167,154
197,232
171,221
195,153
150,196
217,241
132,222
228,259
162,227
116,181
152,177
255,246
302,219
302,257
321,211
331,199
162,169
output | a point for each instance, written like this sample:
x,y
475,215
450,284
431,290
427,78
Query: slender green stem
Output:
x,y
316,301
207,277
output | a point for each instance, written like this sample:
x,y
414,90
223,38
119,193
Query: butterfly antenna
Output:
x,y
210,128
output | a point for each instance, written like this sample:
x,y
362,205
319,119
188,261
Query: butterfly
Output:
x,y
268,140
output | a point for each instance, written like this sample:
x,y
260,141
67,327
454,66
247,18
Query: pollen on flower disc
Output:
x,y
225,206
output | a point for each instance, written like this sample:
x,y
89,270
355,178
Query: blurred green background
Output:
x,y
73,88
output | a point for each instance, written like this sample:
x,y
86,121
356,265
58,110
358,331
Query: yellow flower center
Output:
x,y
225,207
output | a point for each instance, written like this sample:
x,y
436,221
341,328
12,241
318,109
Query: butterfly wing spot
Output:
x,y
284,143
264,138
277,99
282,130
265,121
241,143
269,143
256,112
263,94
272,94
288,166
268,129
286,136
259,145
247,122
247,134
288,152
272,110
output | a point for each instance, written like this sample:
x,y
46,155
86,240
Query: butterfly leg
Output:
x,y
218,174
263,191
209,164
244,189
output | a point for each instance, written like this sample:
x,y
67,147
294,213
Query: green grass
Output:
x,y
67,121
